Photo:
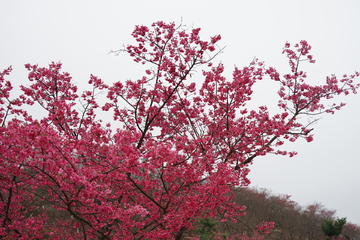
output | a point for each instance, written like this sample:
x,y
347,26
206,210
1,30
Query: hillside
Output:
x,y
292,221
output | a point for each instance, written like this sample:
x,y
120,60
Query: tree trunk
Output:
x,y
180,233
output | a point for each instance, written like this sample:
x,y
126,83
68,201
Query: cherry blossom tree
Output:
x,y
352,230
179,152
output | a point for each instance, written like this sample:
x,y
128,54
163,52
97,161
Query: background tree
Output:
x,y
178,153
207,228
311,218
333,228
292,221
352,230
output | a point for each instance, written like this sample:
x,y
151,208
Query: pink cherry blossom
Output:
x,y
178,154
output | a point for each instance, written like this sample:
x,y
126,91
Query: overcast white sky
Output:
x,y
81,33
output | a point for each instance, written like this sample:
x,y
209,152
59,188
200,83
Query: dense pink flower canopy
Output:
x,y
180,151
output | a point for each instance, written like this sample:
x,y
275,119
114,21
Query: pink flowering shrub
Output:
x,y
179,152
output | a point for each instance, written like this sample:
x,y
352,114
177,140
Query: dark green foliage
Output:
x,y
207,230
333,229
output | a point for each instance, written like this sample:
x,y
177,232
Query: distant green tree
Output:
x,y
207,230
333,228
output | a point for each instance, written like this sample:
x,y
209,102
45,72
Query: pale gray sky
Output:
x,y
81,33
